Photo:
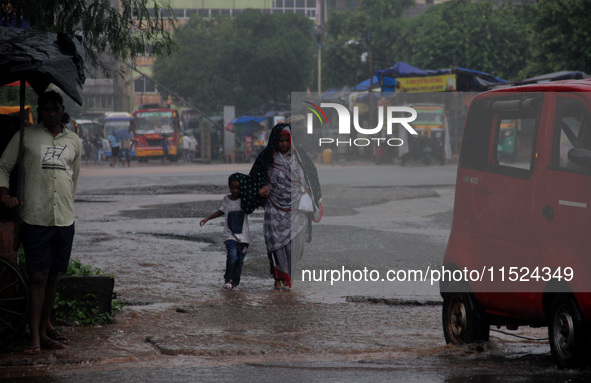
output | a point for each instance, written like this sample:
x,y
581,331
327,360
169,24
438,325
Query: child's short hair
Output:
x,y
234,178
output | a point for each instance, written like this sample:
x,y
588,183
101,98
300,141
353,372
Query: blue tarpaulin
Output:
x,y
364,85
466,79
473,80
387,84
245,124
243,119
401,69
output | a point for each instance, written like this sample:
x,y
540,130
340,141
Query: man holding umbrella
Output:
x,y
51,162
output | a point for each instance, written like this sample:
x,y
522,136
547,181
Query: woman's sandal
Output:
x,y
33,350
57,335
278,289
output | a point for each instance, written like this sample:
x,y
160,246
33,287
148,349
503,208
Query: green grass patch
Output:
x,y
84,312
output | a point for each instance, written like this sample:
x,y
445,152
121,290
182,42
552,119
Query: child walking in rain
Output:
x,y
236,233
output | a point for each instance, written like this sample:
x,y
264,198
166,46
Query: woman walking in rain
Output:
x,y
284,180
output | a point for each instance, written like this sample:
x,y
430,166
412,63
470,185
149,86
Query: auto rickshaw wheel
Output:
x,y
464,320
14,301
566,332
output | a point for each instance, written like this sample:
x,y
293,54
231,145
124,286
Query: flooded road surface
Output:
x,y
179,325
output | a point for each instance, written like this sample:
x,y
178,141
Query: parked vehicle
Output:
x,y
520,233
87,129
116,122
432,143
506,146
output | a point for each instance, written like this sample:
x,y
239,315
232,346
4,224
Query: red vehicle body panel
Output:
x,y
509,214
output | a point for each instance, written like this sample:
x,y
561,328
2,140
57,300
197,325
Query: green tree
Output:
x,y
477,36
246,61
121,34
370,31
561,37
480,36
9,95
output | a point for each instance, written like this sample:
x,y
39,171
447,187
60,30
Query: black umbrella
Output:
x,y
42,58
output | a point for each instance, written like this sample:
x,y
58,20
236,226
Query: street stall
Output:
x,y
249,131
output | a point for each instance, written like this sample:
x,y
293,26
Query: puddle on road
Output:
x,y
392,301
195,238
173,210
161,190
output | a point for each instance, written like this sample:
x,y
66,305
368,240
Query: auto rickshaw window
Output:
x,y
516,121
515,139
572,130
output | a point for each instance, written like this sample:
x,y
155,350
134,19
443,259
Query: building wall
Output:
x,y
102,94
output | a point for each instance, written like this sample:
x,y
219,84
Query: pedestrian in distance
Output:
x,y
52,156
193,149
98,148
115,143
125,151
236,234
164,148
87,149
106,147
187,142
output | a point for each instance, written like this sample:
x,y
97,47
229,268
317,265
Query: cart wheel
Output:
x,y
14,301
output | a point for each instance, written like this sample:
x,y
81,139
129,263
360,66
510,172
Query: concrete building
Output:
x,y
102,94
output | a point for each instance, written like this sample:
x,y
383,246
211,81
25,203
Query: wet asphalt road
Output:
x,y
141,224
